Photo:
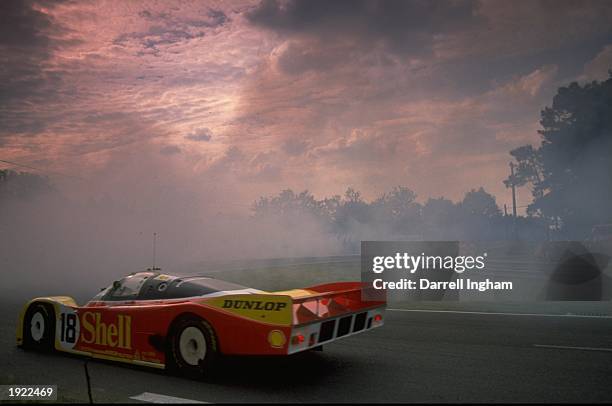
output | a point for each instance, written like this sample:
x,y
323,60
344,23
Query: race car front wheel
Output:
x,y
39,327
193,347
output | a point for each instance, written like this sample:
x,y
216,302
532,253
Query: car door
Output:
x,y
107,324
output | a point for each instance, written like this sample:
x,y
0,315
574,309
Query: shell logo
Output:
x,y
117,334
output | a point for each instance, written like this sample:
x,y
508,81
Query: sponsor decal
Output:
x,y
273,309
116,334
254,305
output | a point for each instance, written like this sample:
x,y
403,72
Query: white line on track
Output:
x,y
585,316
567,347
157,398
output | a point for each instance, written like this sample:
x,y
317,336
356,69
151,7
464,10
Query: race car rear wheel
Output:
x,y
193,347
39,327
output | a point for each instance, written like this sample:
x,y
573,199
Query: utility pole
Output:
x,y
513,199
154,242
513,190
506,220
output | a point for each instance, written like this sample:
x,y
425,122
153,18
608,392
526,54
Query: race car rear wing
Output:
x,y
300,306
301,319
326,313
332,300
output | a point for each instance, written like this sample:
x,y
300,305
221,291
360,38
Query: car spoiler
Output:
x,y
299,306
331,300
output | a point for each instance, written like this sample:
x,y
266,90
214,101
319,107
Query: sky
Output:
x,y
239,99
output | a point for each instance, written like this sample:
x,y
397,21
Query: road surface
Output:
x,y
418,356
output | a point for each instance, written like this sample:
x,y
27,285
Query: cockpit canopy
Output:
x,y
158,286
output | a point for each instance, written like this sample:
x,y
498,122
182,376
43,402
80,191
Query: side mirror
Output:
x,y
116,285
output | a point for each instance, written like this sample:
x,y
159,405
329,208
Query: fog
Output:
x,y
99,226
97,223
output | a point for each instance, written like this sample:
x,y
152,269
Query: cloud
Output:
x,y
599,67
166,28
28,38
524,87
202,134
528,28
265,167
24,27
359,147
170,150
71,92
305,94
348,127
405,27
227,163
299,56
532,83
294,146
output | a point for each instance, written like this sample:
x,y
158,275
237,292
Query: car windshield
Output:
x,y
127,288
186,287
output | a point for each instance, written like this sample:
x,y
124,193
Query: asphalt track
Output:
x,y
415,357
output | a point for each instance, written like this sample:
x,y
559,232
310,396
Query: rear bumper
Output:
x,y
328,330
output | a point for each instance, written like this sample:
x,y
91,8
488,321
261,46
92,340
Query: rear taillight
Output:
x,y
297,339
378,318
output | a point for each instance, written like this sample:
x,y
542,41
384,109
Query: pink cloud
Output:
x,y
261,109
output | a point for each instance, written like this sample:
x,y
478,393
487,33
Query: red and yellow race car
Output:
x,y
163,321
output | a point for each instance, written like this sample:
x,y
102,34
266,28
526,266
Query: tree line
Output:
x,y
395,215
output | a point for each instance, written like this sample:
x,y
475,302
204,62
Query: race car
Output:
x,y
164,321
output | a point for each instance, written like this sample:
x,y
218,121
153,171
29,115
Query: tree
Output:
x,y
22,185
569,173
352,196
479,216
287,204
528,169
440,219
329,207
480,203
351,215
398,211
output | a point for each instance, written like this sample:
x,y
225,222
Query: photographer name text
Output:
x,y
458,284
